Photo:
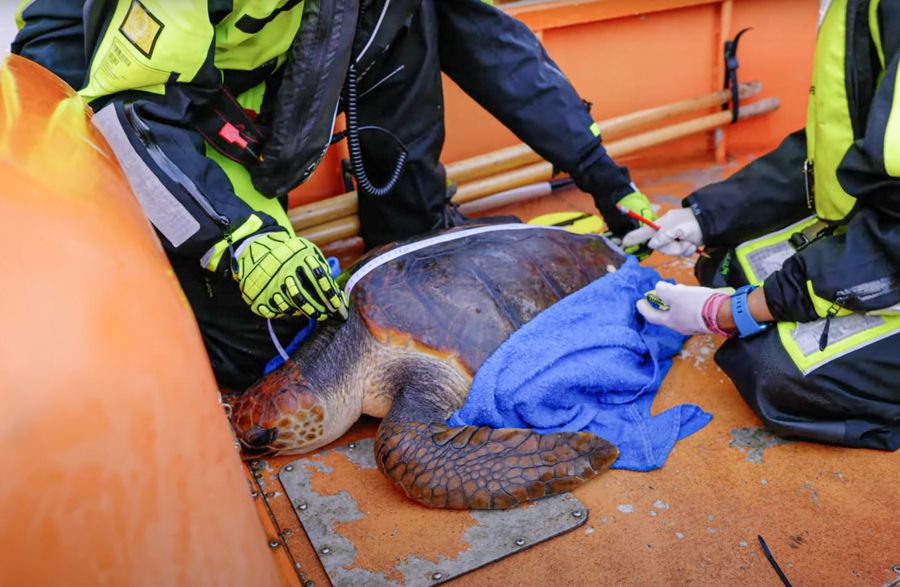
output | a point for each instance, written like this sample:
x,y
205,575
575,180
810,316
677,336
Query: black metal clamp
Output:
x,y
731,80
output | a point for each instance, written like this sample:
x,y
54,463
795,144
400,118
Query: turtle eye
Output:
x,y
260,438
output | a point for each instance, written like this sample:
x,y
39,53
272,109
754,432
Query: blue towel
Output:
x,y
588,363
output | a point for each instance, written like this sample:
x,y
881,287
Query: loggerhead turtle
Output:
x,y
424,316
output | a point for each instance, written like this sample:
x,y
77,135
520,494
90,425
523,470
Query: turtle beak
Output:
x,y
258,440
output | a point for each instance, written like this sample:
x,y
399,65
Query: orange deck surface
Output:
x,y
829,515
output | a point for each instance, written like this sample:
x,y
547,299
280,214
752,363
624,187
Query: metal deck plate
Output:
x,y
487,535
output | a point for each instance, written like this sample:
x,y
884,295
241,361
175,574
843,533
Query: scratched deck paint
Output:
x,y
829,515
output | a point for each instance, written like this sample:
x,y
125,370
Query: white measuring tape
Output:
x,y
428,242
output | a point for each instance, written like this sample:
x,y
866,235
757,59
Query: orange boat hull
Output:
x,y
118,465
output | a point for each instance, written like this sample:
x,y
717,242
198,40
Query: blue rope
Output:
x,y
283,353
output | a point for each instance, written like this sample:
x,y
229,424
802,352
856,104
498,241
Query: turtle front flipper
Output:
x,y
484,468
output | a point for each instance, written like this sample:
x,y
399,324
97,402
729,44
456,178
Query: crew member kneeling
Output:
x,y
809,235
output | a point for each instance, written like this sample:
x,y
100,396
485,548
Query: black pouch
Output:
x,y
300,121
307,99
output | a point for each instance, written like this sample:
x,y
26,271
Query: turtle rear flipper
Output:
x,y
473,467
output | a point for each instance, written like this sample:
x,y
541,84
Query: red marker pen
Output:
x,y
636,216
650,223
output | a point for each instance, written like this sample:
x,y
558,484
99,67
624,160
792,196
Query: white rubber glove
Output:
x,y
679,234
685,313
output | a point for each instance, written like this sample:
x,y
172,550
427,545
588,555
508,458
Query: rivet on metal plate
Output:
x,y
270,494
520,541
325,550
351,446
577,514
274,544
254,494
289,468
309,584
302,506
896,569
437,576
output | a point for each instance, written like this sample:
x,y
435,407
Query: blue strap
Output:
x,y
740,313
283,353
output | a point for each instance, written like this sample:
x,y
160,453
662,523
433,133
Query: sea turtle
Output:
x,y
424,316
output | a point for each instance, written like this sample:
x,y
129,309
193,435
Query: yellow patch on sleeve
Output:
x,y
141,28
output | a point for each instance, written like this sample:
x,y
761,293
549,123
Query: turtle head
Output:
x,y
282,414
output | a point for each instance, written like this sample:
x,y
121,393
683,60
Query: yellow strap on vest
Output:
x,y
875,30
891,145
829,130
892,137
20,8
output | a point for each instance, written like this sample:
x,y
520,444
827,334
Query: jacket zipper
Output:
x,y
829,316
145,134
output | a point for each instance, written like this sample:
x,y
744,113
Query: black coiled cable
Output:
x,y
356,160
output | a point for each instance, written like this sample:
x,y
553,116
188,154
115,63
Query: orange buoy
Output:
x,y
118,464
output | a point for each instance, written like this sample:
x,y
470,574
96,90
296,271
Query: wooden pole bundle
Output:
x,y
348,226
543,171
323,211
531,191
614,128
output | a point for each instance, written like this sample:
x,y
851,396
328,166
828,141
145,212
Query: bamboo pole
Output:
x,y
348,226
543,171
614,128
520,194
335,230
323,211
508,158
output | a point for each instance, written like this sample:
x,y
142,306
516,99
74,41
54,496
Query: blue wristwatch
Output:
x,y
740,313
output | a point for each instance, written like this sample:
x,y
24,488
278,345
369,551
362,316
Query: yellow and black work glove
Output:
x,y
640,205
284,275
